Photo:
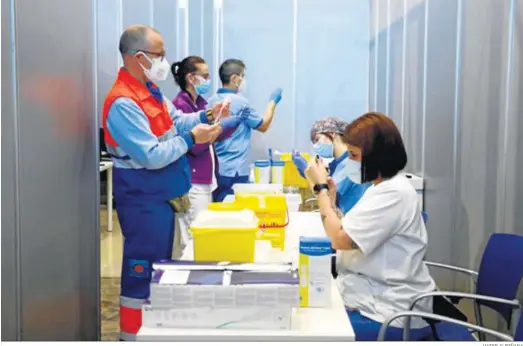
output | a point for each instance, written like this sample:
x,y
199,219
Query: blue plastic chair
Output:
x,y
496,285
518,336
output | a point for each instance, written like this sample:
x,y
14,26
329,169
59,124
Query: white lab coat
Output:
x,y
387,272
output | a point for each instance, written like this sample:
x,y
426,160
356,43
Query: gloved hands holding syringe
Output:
x,y
205,133
300,162
220,110
226,122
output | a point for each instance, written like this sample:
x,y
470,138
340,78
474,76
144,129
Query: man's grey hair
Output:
x,y
135,38
229,68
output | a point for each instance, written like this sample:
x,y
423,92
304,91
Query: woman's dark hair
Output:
x,y
383,154
182,68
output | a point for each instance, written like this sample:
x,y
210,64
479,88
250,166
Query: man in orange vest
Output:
x,y
147,139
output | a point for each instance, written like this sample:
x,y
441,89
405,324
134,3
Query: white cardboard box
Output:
x,y
315,271
187,285
272,318
256,188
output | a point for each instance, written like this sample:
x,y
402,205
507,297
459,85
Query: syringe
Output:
x,y
226,101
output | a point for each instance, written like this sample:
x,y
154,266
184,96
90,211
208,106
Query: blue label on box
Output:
x,y
315,246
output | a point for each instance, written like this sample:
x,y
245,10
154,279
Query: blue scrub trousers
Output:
x,y
148,231
368,330
225,185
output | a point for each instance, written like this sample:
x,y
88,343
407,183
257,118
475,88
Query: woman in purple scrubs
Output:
x,y
192,76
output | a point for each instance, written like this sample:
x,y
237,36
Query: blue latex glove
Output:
x,y
230,122
276,96
300,162
425,216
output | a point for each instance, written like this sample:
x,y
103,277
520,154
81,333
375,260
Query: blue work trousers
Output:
x,y
225,185
368,330
148,232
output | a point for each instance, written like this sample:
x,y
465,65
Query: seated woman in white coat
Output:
x,y
382,240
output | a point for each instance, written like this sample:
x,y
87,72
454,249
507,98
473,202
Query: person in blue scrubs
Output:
x,y
234,152
326,139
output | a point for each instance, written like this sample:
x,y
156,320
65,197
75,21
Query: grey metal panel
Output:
x,y
165,20
169,21
58,177
514,183
10,269
196,27
373,5
208,31
108,35
413,97
439,126
396,60
137,12
513,218
165,16
381,62
483,95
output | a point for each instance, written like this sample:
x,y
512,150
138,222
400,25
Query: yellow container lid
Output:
x,y
276,201
262,202
221,206
208,220
288,156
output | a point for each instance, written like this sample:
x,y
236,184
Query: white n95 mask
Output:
x,y
159,69
353,170
243,86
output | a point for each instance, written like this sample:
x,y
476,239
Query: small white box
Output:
x,y
257,188
262,172
278,172
276,318
315,271
294,201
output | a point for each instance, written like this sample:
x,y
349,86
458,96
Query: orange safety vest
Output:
x,y
142,185
127,86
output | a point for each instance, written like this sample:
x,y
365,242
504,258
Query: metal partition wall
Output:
x,y
450,73
50,221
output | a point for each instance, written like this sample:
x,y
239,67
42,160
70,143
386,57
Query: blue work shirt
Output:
x,y
348,192
130,128
234,152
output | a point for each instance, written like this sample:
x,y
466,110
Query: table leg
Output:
x,y
110,199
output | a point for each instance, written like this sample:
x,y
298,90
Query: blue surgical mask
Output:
x,y
324,150
203,87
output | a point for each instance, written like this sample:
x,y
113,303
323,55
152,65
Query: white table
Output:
x,y
108,166
308,324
